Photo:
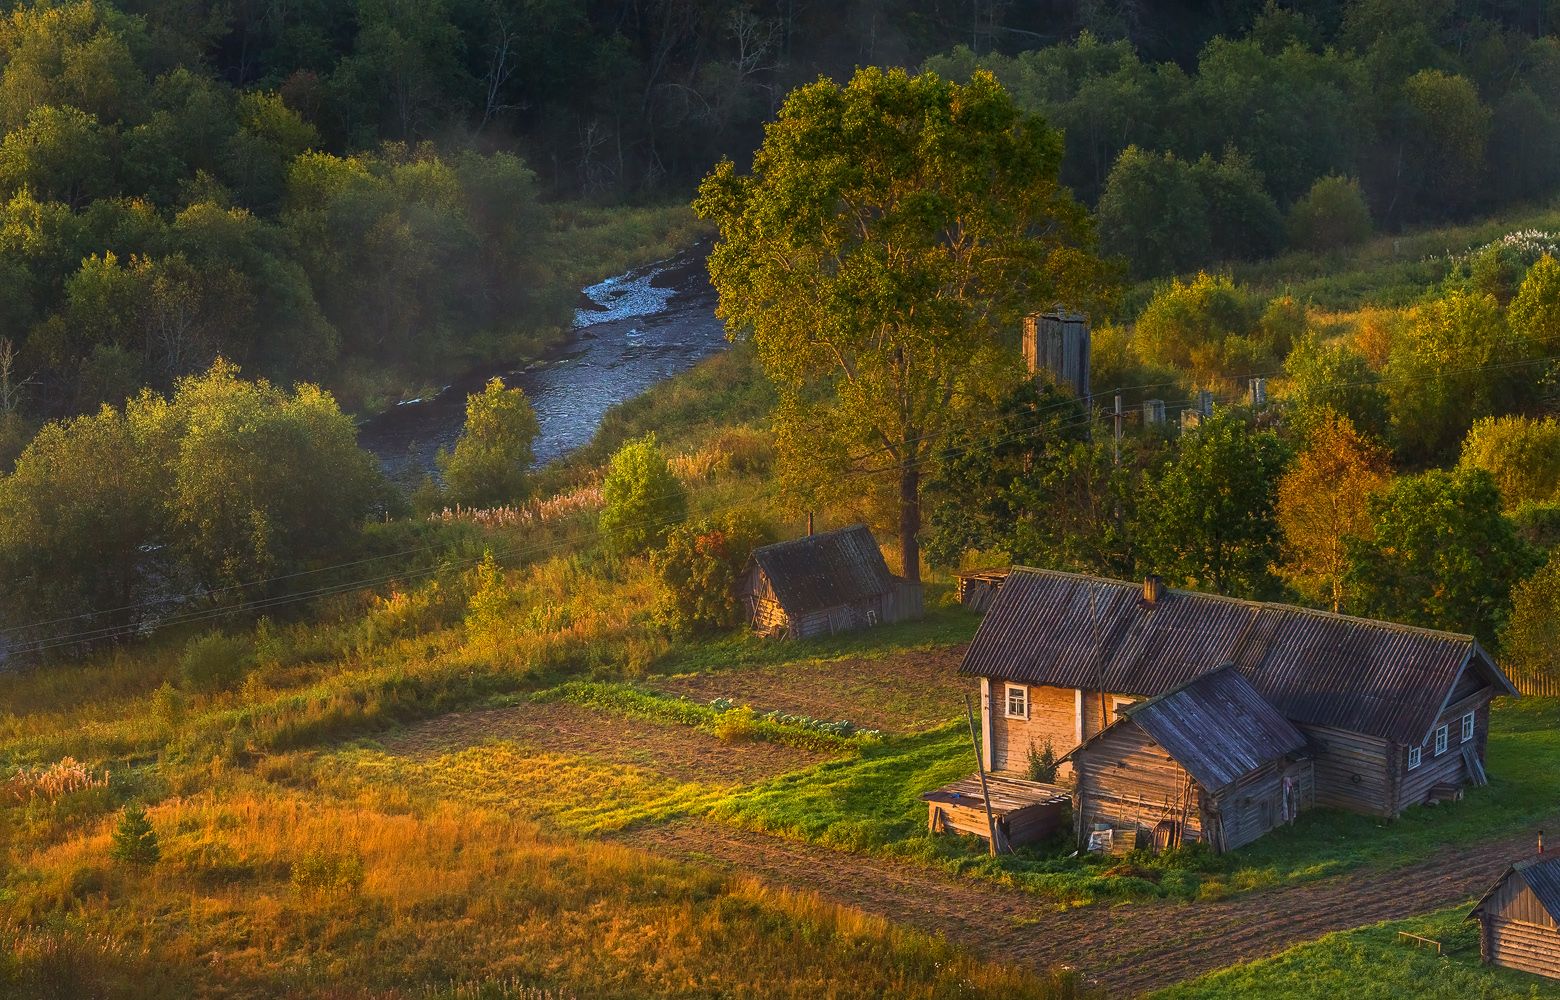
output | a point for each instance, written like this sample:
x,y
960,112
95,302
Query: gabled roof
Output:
x,y
1542,875
1068,630
825,570
1216,726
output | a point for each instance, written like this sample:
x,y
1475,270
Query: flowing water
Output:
x,y
629,333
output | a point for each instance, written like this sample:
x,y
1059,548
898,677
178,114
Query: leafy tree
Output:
x,y
642,500
1435,157
1534,312
1153,213
891,232
61,153
1456,361
493,454
1209,519
1528,131
701,568
1439,554
1530,639
1243,221
1210,327
1332,215
135,839
1322,498
1521,454
1333,379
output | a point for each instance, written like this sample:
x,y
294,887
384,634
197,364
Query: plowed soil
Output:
x,y
1131,949
676,752
902,693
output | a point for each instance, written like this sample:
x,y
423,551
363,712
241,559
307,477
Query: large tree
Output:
x,y
890,236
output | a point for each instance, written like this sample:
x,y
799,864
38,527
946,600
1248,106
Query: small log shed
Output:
x,y
1519,917
822,584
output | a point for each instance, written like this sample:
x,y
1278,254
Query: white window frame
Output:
x,y
1442,735
1415,757
1008,691
1468,723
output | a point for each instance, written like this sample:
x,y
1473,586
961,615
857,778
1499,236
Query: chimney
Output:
x,y
1153,588
1540,842
809,524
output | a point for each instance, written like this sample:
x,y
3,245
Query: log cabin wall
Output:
x,y
1127,780
1254,805
1353,771
1517,931
1054,714
1449,768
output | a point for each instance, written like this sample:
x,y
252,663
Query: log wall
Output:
x,y
1054,716
1353,771
1519,945
1448,768
1127,780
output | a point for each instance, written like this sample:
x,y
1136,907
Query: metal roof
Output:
x,y
1071,630
1217,727
825,570
1542,875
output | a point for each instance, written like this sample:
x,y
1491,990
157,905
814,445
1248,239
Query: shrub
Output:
x,y
1332,214
737,725
1522,454
1042,763
134,840
701,568
1530,641
214,661
170,705
322,874
643,499
489,464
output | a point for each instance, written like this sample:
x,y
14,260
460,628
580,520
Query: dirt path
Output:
x,y
1132,949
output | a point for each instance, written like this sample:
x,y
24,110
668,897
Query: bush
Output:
x,y
1522,454
322,874
701,569
134,840
1042,763
489,464
214,661
1333,214
643,501
1530,641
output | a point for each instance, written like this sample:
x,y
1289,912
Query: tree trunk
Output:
x,y
910,519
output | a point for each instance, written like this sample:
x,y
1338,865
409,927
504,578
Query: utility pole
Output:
x,y
1117,453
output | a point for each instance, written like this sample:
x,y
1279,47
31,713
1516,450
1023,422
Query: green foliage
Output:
x,y
214,661
1534,313
1530,638
1042,763
1332,215
1332,377
642,500
326,874
1440,554
134,840
701,569
493,454
1208,521
878,331
1211,327
1521,454
1153,213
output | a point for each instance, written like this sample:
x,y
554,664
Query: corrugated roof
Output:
x,y
825,570
1217,727
1542,875
1070,630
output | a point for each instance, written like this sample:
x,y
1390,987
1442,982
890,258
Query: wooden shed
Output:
x,y
1022,811
1210,761
1057,343
1398,716
978,588
1519,917
821,584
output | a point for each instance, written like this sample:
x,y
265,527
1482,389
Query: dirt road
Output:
x,y
1132,949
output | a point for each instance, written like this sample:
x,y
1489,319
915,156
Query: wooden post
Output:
x,y
980,767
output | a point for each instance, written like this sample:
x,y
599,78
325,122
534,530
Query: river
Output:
x,y
629,333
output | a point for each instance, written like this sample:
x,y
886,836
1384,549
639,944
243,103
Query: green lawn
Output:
x,y
1374,963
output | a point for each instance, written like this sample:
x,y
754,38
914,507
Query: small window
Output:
x,y
1414,755
1467,733
1017,701
1440,741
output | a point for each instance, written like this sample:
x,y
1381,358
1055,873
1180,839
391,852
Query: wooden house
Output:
x,y
1210,761
822,584
1519,917
1396,716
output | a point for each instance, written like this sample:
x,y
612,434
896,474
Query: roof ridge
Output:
x,y
1259,605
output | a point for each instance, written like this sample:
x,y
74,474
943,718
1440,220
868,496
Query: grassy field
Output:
x,y
1375,963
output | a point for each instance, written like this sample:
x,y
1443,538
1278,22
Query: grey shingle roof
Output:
x,y
825,570
1070,630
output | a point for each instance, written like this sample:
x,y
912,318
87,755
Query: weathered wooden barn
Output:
x,y
1057,343
1210,761
1395,715
821,584
1519,917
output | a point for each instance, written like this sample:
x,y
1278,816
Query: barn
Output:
x,y
1519,917
1395,716
822,584
1210,761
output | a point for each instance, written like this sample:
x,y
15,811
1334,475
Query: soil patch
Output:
x,y
902,693
677,752
1131,949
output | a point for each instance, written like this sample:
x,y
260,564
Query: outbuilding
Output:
x,y
1519,917
822,584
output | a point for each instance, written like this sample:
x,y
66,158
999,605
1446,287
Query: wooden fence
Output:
x,y
1534,682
